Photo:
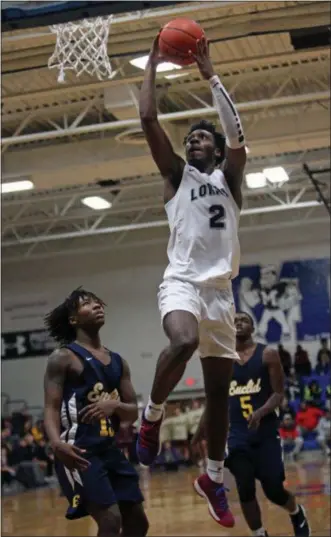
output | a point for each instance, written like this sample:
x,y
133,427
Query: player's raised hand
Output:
x,y
98,411
202,58
71,456
154,56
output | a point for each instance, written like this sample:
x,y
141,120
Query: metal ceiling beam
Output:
x,y
146,225
151,242
221,67
175,116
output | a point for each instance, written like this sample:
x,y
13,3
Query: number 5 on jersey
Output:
x,y
217,220
246,407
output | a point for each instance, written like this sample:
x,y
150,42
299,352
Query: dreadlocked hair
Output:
x,y
57,321
205,125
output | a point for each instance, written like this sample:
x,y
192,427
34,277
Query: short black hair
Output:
x,y
219,138
248,317
57,321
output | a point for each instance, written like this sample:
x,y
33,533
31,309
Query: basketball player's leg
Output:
x,y
217,351
124,481
91,493
134,519
242,469
272,477
181,328
108,519
180,310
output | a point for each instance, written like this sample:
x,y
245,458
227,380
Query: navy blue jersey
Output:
x,y
250,389
97,381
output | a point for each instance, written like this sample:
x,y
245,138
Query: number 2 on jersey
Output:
x,y
246,407
105,430
217,221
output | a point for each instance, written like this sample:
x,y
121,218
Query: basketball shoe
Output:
x,y
300,523
148,443
215,495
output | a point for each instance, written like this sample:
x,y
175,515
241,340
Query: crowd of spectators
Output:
x,y
26,457
305,413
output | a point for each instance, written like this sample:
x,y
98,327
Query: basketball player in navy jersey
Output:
x,y
254,448
88,391
203,206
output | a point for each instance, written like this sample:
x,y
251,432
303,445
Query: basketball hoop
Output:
x,y
82,47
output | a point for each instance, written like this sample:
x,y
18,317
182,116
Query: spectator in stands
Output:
x,y
44,457
290,436
199,454
19,420
286,409
7,471
286,359
324,433
169,457
302,363
179,427
307,418
24,451
313,394
328,397
323,359
38,431
293,387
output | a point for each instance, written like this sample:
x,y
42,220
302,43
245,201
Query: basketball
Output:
x,y
177,38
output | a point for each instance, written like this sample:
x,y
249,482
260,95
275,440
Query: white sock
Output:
x,y
215,470
260,532
296,510
153,411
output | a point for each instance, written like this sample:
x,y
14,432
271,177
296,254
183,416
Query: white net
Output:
x,y
82,47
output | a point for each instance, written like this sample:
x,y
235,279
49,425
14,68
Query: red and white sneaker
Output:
x,y
215,495
148,445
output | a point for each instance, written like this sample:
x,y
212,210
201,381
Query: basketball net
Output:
x,y
82,47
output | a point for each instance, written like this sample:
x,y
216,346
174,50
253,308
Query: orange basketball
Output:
x,y
177,38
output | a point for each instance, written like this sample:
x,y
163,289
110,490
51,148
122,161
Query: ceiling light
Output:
x,y
165,66
276,175
256,180
96,202
16,186
177,75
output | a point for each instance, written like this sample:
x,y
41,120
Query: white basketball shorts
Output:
x,y
214,310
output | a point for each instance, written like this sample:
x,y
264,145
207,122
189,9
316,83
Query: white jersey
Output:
x,y
203,218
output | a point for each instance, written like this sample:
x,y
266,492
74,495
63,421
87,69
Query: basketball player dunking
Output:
x,y
254,448
87,392
195,299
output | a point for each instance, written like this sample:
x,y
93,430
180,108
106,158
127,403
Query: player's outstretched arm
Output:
x,y
235,158
170,164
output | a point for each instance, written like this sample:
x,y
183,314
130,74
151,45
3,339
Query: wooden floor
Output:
x,y
174,509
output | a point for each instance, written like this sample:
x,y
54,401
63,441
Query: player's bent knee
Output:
x,y
185,344
246,492
135,522
109,520
136,527
276,493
